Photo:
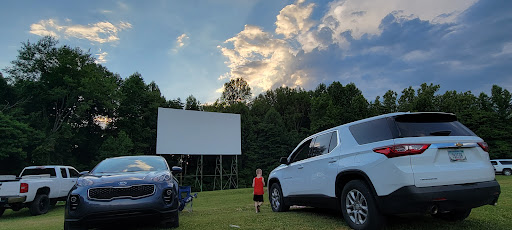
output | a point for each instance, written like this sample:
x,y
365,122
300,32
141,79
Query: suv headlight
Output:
x,y
81,182
162,177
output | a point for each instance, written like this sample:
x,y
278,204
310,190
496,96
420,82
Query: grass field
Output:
x,y
220,209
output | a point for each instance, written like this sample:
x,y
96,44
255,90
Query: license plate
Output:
x,y
456,155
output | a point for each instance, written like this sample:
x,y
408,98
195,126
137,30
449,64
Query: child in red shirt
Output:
x,y
258,183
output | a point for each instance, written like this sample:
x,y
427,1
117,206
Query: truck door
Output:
x,y
66,183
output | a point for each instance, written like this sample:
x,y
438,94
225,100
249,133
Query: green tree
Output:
x,y
121,145
236,90
191,103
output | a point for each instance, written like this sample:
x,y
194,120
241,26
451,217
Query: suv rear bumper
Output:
x,y
412,199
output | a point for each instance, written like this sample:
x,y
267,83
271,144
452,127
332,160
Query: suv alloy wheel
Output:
x,y
359,208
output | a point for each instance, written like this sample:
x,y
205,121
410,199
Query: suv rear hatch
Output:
x,y
455,154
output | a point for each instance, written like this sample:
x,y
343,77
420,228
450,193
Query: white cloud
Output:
x,y
364,16
101,57
262,60
101,32
286,56
294,19
180,42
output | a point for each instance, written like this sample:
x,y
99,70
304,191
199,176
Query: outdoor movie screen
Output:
x,y
192,132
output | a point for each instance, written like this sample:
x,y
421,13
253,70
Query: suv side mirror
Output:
x,y
176,169
83,173
283,160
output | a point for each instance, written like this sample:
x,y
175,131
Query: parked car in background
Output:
x,y
390,164
37,187
502,166
123,189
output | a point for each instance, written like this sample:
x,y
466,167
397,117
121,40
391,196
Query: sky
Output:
x,y
192,47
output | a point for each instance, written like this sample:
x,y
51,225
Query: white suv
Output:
x,y
390,164
503,166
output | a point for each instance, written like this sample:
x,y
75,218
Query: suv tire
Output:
x,y
40,205
454,215
73,226
359,207
507,172
276,199
172,222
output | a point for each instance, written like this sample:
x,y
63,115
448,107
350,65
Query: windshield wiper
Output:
x,y
441,133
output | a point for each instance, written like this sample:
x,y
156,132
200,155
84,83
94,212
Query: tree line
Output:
x,y
58,106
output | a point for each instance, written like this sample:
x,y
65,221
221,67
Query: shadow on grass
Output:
x,y
25,212
426,222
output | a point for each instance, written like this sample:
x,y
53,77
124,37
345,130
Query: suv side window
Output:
x,y
63,173
506,162
73,173
321,145
302,152
371,131
494,163
334,141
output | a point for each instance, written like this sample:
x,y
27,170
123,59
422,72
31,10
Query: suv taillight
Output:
x,y
23,188
484,146
402,150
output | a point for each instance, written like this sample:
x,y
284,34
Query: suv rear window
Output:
x,y
426,124
409,125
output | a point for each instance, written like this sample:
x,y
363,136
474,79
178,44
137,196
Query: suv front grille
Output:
x,y
110,193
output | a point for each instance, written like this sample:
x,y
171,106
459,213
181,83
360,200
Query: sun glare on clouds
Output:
x,y
272,59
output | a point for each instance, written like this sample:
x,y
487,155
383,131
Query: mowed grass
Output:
x,y
230,209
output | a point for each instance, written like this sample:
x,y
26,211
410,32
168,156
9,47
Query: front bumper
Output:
x,y
412,199
93,213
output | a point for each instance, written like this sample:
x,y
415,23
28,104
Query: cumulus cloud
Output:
x,y
377,45
100,32
294,19
262,60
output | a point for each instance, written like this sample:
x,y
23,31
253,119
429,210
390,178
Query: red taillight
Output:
x,y
23,188
402,150
484,146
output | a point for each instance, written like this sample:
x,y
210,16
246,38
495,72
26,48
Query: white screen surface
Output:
x,y
198,133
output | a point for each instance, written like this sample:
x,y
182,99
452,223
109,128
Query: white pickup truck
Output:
x,y
37,188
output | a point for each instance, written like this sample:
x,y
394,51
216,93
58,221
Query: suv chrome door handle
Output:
x,y
300,167
333,161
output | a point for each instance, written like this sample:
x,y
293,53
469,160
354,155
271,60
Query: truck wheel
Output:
x,y
507,172
276,199
2,210
40,205
454,215
359,207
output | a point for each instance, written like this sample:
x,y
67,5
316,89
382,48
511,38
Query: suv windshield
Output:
x,y
130,164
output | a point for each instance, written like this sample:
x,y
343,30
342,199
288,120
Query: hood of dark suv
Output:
x,y
123,179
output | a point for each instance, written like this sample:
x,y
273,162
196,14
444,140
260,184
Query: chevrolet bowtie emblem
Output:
x,y
458,144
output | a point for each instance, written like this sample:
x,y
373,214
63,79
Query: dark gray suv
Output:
x,y
123,189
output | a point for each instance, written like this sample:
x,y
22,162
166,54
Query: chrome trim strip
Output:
x,y
454,145
121,197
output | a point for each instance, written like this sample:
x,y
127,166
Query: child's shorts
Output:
x,y
258,198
